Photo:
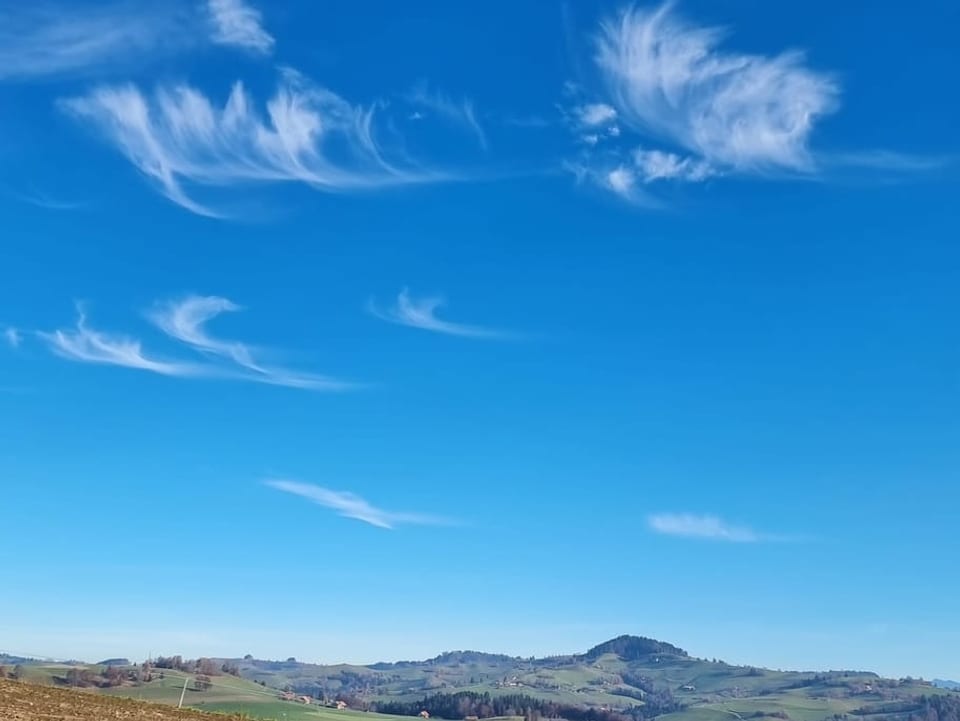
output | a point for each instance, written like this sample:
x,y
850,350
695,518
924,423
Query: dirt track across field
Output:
x,y
28,702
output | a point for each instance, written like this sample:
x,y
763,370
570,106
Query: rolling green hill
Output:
x,y
619,673
628,674
625,679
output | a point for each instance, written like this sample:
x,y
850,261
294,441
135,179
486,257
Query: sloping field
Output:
x,y
223,689
27,702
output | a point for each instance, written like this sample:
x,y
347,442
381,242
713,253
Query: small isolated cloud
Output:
x,y
350,505
460,112
621,181
87,345
185,320
237,23
592,122
703,527
594,114
179,139
12,336
421,313
659,165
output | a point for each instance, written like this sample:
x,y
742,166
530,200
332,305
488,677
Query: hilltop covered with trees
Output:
x,y
633,648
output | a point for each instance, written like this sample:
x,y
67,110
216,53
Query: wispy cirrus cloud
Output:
x,y
684,107
183,321
31,195
238,24
12,336
350,505
422,313
660,165
671,80
703,527
48,38
613,175
87,345
458,111
41,200
55,37
180,140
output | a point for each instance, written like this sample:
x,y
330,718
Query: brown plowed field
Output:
x,y
27,702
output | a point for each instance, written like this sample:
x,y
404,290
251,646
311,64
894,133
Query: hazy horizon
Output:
x,y
357,650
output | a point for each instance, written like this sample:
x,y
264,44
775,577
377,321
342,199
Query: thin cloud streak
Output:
x,y
421,313
460,112
350,505
526,121
12,336
889,160
178,139
702,527
238,24
42,200
41,39
185,320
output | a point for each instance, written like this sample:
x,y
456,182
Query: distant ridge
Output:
x,y
447,657
626,647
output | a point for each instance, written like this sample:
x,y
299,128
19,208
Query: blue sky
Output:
x,y
353,331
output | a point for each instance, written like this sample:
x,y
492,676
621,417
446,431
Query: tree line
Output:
x,y
483,705
203,666
937,707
